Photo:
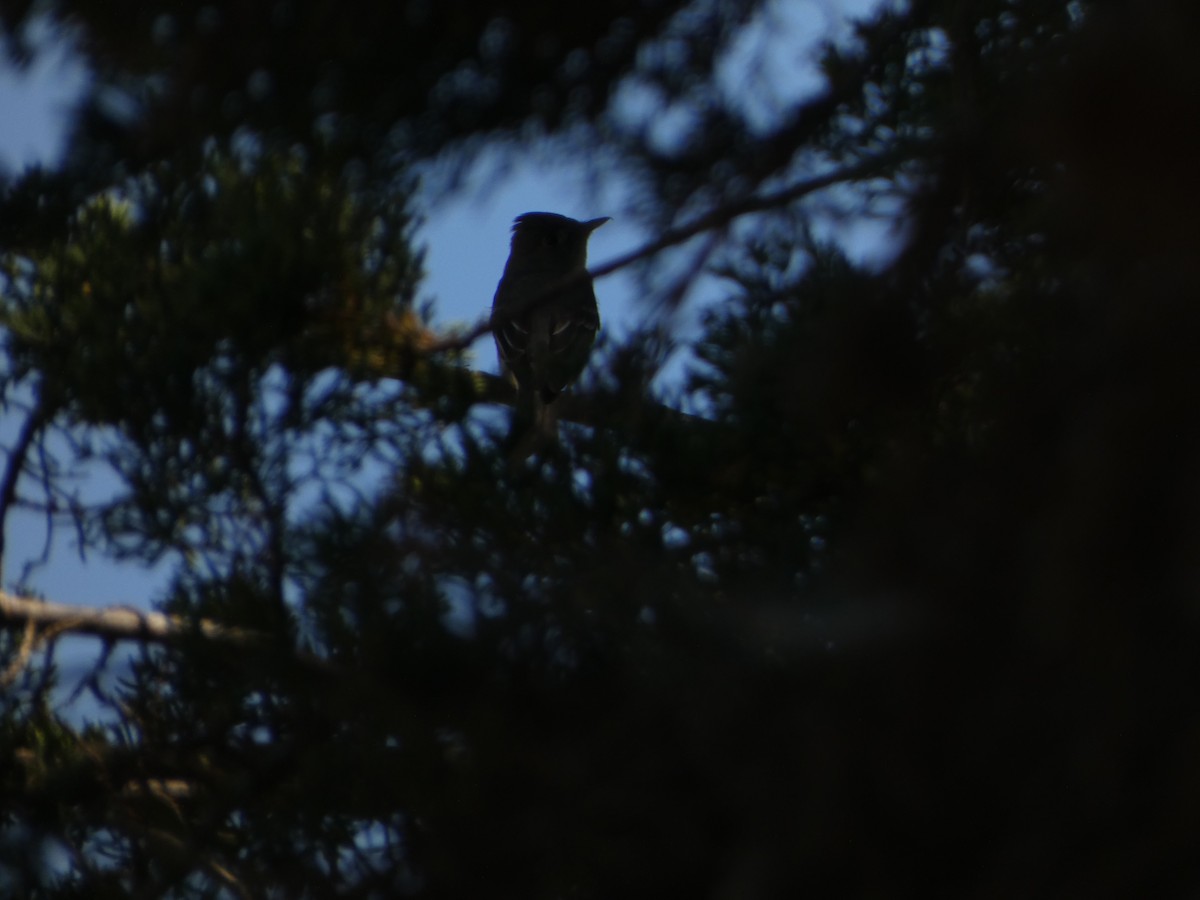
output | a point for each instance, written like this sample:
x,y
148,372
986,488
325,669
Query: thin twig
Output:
x,y
15,465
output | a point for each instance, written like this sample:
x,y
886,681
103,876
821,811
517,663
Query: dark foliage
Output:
x,y
912,610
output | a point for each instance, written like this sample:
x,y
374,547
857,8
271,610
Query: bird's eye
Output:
x,y
553,238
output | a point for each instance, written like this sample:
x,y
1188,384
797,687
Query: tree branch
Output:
x,y
38,416
124,623
713,219
115,623
441,380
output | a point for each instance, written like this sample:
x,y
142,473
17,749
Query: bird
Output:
x,y
544,318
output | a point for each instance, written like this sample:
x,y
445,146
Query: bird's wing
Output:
x,y
572,333
545,346
512,340
511,321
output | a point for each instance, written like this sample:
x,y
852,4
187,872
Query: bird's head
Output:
x,y
549,242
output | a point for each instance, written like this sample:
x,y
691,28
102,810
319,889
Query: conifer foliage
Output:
x,y
904,603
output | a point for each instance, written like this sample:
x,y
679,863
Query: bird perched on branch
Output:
x,y
544,318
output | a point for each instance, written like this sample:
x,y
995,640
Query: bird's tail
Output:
x,y
534,426
545,417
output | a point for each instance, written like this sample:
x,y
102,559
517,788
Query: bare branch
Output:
x,y
114,623
124,623
717,218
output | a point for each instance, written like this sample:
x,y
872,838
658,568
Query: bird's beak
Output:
x,y
592,224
